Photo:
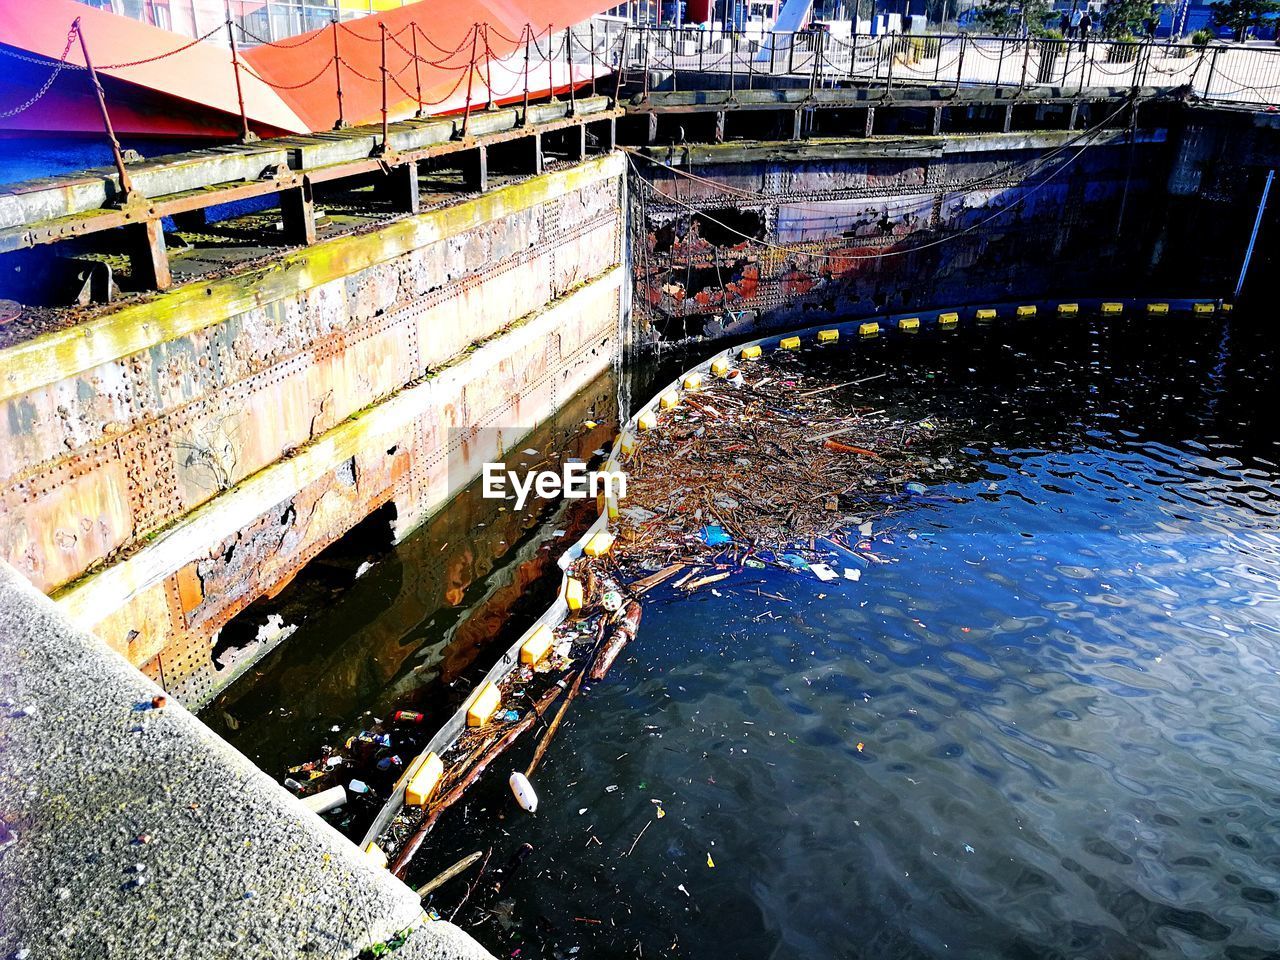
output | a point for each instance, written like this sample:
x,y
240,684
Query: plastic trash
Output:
x,y
523,791
611,601
914,487
823,572
358,786
713,535
327,800
408,716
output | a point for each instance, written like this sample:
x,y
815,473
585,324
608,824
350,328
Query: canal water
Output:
x,y
1045,722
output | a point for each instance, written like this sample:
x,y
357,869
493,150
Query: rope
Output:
x,y
62,63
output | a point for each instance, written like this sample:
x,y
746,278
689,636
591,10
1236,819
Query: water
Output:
x,y
1046,727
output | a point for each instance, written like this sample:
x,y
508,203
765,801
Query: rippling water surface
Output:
x,y
1047,724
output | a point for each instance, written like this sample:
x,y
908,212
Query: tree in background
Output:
x,y
1239,15
1010,16
1123,18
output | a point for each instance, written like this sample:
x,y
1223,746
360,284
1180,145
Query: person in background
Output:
x,y
1076,15
1086,25
1064,24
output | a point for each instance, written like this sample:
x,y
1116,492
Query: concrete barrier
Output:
x,y
133,831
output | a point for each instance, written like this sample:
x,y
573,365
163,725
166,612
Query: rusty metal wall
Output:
x,y
165,490
845,236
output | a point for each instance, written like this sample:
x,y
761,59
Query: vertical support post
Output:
x,y
341,122
417,74
298,214
401,188
1253,236
471,75
551,68
617,79
1026,61
382,35
1008,117
718,135
869,127
797,124
937,121
246,135
126,185
817,59
475,170
528,38
893,55
535,143
488,71
959,66
568,65
1213,66
651,132
1000,63
148,259
733,45
773,52
592,24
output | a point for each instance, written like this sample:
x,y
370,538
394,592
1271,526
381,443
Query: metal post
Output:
x,y
817,59
417,75
1257,225
751,68
1213,65
1000,63
337,73
488,71
551,69
1026,61
382,33
471,76
617,79
246,135
528,37
733,50
568,64
893,46
960,65
646,39
592,25
126,185
773,52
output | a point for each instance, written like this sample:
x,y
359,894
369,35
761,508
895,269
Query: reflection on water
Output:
x,y
1046,724
417,629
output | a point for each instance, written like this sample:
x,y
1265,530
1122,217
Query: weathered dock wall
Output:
x,y
167,463
744,236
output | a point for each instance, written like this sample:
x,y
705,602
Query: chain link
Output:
x,y
61,65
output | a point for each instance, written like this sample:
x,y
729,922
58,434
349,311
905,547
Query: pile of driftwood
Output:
x,y
772,458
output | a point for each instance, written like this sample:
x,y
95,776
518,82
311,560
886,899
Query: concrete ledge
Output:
x,y
232,866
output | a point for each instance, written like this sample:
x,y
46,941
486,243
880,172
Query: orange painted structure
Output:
x,y
438,59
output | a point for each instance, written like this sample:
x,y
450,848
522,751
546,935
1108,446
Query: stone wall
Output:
x,y
164,465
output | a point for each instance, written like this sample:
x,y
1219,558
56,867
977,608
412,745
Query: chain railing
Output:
x,y
1217,72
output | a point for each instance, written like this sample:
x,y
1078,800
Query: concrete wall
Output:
x,y
112,814
957,218
164,465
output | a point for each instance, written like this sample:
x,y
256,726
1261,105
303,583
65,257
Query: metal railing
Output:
x,y
1217,72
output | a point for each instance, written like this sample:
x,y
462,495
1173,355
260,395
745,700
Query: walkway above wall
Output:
x,y
114,812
